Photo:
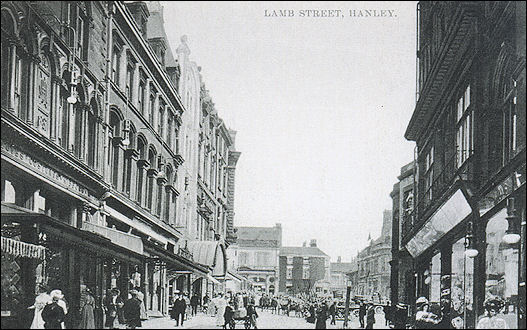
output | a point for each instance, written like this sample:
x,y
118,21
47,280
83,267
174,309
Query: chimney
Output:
x,y
313,243
339,259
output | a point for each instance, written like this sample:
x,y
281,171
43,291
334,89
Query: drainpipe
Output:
x,y
109,41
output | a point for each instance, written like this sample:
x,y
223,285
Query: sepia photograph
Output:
x,y
263,164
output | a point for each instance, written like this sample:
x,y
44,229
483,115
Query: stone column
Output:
x,y
33,62
135,87
161,195
123,67
11,102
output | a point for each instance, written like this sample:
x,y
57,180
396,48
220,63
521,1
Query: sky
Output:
x,y
320,105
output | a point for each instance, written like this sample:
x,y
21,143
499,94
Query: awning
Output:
x,y
90,242
176,262
211,254
140,226
128,241
22,249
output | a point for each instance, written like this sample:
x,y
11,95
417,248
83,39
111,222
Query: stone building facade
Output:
x,y
255,256
466,234
95,132
374,264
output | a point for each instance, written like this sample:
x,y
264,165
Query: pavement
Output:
x,y
266,320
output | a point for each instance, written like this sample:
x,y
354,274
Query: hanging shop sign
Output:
x,y
502,191
445,218
31,163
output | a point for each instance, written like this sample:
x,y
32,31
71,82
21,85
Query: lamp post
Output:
x,y
347,305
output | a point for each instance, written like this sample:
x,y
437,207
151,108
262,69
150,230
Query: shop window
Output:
x,y
462,286
501,270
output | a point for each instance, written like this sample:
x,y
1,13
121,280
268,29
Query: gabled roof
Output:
x,y
301,251
258,233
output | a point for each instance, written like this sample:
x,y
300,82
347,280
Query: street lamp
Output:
x,y
470,251
511,235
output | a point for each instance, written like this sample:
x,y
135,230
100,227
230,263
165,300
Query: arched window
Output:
x,y
8,31
169,130
141,149
64,112
115,131
161,119
152,155
22,77
170,198
78,112
92,133
127,174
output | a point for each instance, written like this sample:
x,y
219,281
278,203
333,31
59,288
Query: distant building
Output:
x,y
304,269
338,276
403,204
255,256
374,267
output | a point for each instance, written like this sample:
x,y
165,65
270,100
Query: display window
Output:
x,y
462,287
501,282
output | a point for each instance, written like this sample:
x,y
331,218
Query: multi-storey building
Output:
x,y
304,269
339,276
466,234
403,205
92,155
255,256
374,264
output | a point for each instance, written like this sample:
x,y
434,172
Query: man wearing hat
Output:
x,y
113,305
132,311
179,308
53,314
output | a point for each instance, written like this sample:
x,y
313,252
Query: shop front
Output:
x,y
70,259
464,256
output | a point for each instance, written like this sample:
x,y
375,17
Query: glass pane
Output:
x,y
501,274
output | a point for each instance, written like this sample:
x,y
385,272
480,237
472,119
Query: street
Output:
x,y
266,320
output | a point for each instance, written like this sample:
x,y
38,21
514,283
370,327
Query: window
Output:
x,y
140,171
465,123
262,258
8,26
130,78
92,133
78,112
77,21
243,259
116,58
305,272
150,195
152,107
289,272
141,98
169,129
161,118
429,174
115,126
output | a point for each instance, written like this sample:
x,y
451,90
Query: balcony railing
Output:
x,y
128,241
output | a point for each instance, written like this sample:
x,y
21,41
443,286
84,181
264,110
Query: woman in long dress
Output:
x,y
141,297
87,310
220,305
40,302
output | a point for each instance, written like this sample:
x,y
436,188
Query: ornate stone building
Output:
x,y
98,118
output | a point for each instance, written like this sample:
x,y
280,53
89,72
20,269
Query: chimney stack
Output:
x,y
313,243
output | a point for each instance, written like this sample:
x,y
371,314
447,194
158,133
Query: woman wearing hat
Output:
x,y
41,301
492,320
423,318
53,314
87,307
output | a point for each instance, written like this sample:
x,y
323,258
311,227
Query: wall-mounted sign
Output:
x,y
20,157
502,191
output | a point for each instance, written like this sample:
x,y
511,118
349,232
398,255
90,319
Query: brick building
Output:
x,y
304,269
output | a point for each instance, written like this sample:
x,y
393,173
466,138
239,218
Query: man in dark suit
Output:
x,y
179,308
132,311
113,305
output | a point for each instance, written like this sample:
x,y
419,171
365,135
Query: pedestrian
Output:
x,y
188,310
400,316
41,301
113,305
87,307
132,311
62,303
322,316
370,316
333,312
221,303
194,302
180,307
53,314
141,297
424,319
362,313
492,320
252,315
387,313
228,316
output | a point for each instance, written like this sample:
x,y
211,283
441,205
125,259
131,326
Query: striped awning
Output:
x,y
22,249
